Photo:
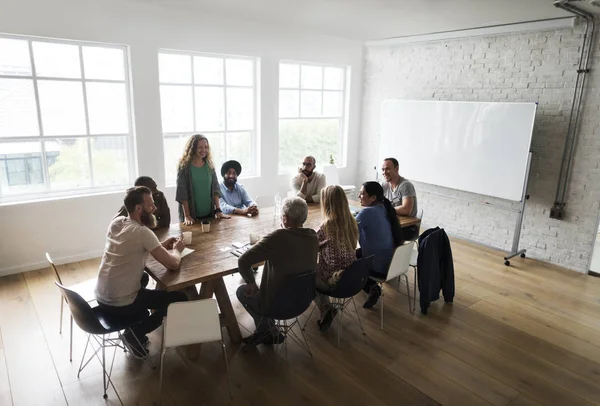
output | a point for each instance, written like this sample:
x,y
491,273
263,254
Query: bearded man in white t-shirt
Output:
x,y
119,290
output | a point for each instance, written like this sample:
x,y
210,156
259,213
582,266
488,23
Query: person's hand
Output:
x,y
324,243
250,289
221,215
188,221
253,210
243,212
179,245
168,243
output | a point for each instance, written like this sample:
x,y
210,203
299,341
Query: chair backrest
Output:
x,y
293,296
400,261
53,268
192,322
353,278
81,311
420,214
331,175
265,201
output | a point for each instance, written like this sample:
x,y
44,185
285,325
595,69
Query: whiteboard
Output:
x,y
472,146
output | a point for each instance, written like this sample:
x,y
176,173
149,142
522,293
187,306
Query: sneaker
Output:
x,y
134,347
327,319
374,295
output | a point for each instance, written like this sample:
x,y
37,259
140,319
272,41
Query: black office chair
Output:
x,y
292,297
99,325
351,282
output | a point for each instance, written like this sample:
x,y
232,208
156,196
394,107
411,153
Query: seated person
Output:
x,y
379,235
308,183
291,250
128,242
162,212
338,236
234,198
401,193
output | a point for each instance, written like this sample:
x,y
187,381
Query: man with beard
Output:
x,y
234,198
119,289
307,184
162,213
401,192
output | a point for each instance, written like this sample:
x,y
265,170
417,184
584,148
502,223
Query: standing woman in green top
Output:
x,y
198,189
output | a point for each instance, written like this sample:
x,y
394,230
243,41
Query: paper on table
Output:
x,y
186,251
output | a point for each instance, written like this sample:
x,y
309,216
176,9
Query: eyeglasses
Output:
x,y
306,163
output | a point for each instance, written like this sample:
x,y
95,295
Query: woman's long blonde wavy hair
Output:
x,y
190,150
339,223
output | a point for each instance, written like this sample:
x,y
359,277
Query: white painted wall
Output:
x,y
74,229
528,67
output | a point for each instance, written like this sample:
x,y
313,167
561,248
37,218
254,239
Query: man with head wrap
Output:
x,y
234,198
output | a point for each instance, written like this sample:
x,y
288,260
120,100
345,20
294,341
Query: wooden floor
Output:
x,y
524,335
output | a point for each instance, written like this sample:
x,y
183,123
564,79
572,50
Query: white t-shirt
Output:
x,y
127,246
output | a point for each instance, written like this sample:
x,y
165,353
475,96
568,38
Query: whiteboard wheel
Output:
x,y
523,255
507,263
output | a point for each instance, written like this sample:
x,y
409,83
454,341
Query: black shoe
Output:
x,y
134,347
327,319
266,339
374,295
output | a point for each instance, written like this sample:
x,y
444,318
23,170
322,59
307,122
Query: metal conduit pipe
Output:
x,y
557,211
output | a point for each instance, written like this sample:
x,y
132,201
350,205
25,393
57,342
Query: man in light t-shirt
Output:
x,y
128,242
401,193
307,184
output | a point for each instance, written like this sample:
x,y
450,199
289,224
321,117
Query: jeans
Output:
x,y
252,306
157,300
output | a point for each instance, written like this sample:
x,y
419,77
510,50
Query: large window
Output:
x,y
65,123
214,95
312,114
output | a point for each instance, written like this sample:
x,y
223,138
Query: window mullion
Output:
x,y
193,95
225,136
87,117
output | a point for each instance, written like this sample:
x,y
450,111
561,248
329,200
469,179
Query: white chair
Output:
x,y
398,267
332,178
86,289
187,323
413,262
265,201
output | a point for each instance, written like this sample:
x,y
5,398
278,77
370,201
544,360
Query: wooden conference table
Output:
x,y
213,258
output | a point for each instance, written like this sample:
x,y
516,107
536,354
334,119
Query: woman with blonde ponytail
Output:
x,y
338,236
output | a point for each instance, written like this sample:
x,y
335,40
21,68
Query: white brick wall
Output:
x,y
528,67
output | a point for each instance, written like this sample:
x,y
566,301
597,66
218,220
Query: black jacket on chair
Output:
x,y
435,267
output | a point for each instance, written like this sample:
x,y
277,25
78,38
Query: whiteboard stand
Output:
x,y
517,236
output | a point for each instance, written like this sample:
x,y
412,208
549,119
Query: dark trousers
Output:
x,y
157,300
410,233
370,282
253,307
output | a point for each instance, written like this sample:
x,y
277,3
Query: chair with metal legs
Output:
x,y
100,326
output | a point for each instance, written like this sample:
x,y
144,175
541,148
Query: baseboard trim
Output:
x,y
44,264
595,274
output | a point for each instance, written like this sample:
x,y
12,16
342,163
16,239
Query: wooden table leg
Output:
x,y
227,314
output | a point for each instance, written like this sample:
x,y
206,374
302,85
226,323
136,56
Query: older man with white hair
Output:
x,y
291,250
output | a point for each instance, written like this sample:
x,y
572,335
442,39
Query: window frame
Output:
x,y
254,170
343,119
42,139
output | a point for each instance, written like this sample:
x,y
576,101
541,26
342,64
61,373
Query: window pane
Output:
x,y
332,104
298,137
176,109
103,63
174,68
289,103
110,161
240,109
68,163
56,60
173,152
18,113
210,110
310,104
312,77
289,75
21,168
62,109
14,57
239,147
334,78
208,71
217,149
240,72
107,108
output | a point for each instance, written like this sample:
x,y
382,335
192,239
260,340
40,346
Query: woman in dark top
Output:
x,y
379,235
198,189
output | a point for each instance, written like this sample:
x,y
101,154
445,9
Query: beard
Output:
x,y
149,220
230,182
307,173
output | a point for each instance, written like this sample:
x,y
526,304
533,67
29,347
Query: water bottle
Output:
x,y
277,205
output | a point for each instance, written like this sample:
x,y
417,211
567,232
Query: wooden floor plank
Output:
x,y
5,394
